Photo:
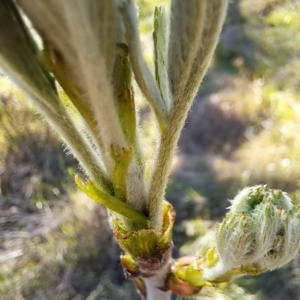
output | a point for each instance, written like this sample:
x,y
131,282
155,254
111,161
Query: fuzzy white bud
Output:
x,y
261,230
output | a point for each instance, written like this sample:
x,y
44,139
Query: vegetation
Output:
x,y
247,109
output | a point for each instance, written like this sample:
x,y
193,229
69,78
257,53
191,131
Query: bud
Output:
x,y
261,232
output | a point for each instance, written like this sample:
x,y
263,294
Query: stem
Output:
x,y
154,280
155,285
164,161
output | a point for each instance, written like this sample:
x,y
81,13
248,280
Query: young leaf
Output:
x,y
83,34
160,38
112,203
141,71
187,23
19,59
214,18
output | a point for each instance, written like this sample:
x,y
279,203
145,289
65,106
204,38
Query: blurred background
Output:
x,y
243,129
